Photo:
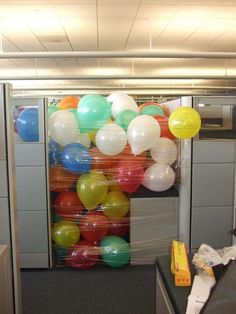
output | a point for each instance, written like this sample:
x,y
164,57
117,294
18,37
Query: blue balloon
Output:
x,y
28,125
76,158
53,152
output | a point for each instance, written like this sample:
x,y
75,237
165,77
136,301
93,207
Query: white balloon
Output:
x,y
143,133
165,151
158,177
121,102
84,140
111,139
63,127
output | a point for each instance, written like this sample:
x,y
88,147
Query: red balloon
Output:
x,y
118,226
94,226
60,179
84,255
163,122
129,175
68,205
127,155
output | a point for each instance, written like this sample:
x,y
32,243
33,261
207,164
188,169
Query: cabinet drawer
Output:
x,y
3,179
33,232
31,188
211,225
4,222
213,185
27,154
214,151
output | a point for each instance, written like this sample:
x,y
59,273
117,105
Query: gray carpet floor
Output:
x,y
100,290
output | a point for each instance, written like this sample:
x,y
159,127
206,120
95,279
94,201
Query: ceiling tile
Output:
x,y
45,26
80,10
117,10
193,11
154,11
114,26
86,27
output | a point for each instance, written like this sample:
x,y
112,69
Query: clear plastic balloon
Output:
x,y
121,102
158,177
111,139
63,127
165,151
143,133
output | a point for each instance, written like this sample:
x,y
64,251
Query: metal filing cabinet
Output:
x,y
153,226
32,198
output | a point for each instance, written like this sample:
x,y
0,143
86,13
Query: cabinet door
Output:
x,y
153,225
213,184
4,222
33,232
2,133
3,179
211,225
31,188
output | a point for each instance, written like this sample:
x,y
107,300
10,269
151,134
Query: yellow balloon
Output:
x,y
92,135
184,122
65,233
92,188
115,204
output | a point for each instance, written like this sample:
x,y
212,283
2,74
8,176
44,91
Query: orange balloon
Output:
x,y
101,161
150,103
68,102
165,131
127,154
60,179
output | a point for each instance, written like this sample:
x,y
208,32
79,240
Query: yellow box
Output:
x,y
179,264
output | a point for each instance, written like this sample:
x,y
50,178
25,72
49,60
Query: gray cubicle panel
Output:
x,y
32,193
8,211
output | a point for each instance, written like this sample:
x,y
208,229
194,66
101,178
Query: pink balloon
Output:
x,y
129,175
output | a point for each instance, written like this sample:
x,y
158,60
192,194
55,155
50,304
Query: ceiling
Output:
x,y
123,25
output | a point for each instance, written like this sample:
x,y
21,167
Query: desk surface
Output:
x,y
178,295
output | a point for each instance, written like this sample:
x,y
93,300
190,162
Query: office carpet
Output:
x,y
100,290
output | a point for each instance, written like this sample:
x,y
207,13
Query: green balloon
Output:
x,y
124,118
61,253
51,110
152,110
115,251
92,111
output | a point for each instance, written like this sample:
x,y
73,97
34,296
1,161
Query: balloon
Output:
x,y
61,253
149,103
75,158
143,133
158,177
60,179
28,125
121,102
163,122
91,189
51,110
84,139
65,233
111,139
118,226
94,226
129,175
93,111
184,122
68,102
115,204
92,135
84,255
63,127
115,251
124,118
53,152
152,110
67,203
101,161
127,154
165,151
